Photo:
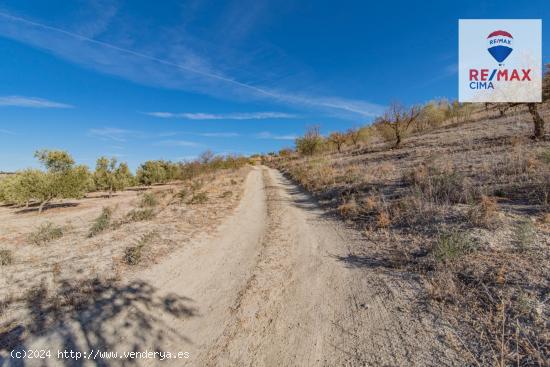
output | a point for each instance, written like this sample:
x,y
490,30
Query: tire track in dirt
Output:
x,y
271,287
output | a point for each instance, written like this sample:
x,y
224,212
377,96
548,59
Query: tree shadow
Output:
x,y
35,206
95,315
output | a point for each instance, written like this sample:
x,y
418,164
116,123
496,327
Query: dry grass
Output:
x,y
200,197
458,206
148,200
6,257
133,254
45,233
485,213
75,258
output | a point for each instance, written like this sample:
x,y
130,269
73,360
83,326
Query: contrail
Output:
x,y
295,99
142,55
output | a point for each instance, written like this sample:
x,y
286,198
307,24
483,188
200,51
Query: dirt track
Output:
x,y
277,284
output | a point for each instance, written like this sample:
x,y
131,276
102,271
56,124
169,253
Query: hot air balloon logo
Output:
x,y
500,45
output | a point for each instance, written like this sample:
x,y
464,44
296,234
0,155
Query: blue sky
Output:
x,y
169,79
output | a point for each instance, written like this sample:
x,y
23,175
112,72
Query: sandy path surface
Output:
x,y
277,284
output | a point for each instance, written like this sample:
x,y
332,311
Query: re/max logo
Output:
x,y
483,75
483,78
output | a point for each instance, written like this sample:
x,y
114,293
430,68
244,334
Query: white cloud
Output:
x,y
115,134
219,135
223,116
177,143
31,102
7,132
268,135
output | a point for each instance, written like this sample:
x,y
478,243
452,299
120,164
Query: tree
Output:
x,y
337,139
538,121
396,122
311,142
206,156
110,177
61,180
354,135
124,176
432,115
151,172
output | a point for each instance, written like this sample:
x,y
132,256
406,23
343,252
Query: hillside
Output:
x,y
464,209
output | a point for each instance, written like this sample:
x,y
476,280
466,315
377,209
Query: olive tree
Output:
x,y
61,180
151,172
110,177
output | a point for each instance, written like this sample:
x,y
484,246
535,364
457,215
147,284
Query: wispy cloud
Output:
x,y
7,132
115,134
31,102
269,135
223,116
219,135
177,143
180,61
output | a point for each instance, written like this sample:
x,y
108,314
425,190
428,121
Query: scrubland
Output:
x,y
55,262
464,208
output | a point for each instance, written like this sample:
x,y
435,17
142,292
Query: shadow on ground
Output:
x,y
94,315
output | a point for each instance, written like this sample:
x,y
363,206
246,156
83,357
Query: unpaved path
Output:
x,y
276,285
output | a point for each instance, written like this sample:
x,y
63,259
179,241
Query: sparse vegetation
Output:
x,y
45,233
311,142
226,194
6,257
200,197
452,245
485,213
445,206
101,223
524,235
148,200
137,215
133,254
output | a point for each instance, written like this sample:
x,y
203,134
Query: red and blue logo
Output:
x,y
500,45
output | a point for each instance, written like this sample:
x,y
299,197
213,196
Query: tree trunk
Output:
x,y
41,207
538,132
398,140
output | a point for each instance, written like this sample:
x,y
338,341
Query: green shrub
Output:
x,y
45,233
196,185
133,254
148,200
451,245
101,223
198,198
226,194
524,235
136,215
6,257
182,194
311,142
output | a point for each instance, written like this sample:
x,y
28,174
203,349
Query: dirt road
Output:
x,y
277,284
